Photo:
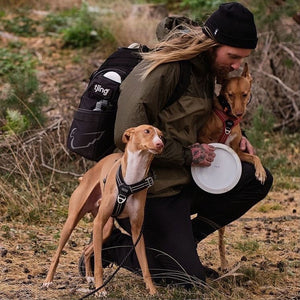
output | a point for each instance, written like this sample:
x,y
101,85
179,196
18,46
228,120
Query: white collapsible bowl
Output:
x,y
222,175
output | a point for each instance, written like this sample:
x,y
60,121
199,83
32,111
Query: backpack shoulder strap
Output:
x,y
183,82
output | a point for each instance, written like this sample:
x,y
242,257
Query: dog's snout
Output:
x,y
159,143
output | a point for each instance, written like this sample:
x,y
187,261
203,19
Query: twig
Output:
x,y
231,273
290,52
43,164
295,93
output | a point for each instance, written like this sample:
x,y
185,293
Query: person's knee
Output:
x,y
269,179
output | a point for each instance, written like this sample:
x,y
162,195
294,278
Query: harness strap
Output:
x,y
228,124
125,190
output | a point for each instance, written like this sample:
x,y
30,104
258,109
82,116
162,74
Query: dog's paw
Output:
x,y
101,294
152,290
261,175
46,285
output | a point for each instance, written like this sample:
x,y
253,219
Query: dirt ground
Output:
x,y
272,225
262,247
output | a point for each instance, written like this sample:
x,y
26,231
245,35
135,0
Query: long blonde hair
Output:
x,y
180,44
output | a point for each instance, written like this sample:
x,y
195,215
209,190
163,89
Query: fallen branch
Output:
x,y
294,93
290,52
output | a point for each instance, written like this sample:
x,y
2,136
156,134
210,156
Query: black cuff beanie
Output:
x,y
232,25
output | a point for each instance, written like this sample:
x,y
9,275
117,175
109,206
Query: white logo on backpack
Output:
x,y
99,89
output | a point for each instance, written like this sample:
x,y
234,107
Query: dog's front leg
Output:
x,y
260,172
97,241
136,227
68,227
88,251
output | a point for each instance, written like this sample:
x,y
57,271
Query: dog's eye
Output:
x,y
245,95
147,131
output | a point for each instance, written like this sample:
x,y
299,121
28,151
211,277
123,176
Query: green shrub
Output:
x,y
15,60
25,101
55,23
15,122
84,32
21,25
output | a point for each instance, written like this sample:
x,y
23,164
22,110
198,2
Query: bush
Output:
x,y
24,100
84,32
22,26
15,60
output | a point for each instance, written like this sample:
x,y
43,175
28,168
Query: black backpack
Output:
x,y
92,130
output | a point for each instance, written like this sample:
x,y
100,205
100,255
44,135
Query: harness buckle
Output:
x,y
228,125
149,181
121,198
227,130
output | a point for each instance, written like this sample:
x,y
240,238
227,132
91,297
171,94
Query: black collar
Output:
x,y
225,105
125,190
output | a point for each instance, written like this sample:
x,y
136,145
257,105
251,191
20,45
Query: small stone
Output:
x,y
3,252
280,266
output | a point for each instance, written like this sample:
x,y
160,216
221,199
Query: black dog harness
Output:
x,y
125,190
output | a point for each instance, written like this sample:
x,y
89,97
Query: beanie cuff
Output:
x,y
221,38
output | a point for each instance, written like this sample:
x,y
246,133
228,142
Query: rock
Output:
x,y
281,266
3,252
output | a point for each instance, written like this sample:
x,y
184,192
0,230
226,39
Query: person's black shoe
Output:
x,y
210,273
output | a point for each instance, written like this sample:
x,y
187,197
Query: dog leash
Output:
x,y
117,270
125,190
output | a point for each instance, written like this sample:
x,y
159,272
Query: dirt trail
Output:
x,y
272,226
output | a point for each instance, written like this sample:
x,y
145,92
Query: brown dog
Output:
x,y
98,193
231,105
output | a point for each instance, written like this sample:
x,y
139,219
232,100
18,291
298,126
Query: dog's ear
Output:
x,y
246,73
127,134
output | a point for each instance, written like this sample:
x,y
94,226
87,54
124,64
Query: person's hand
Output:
x,y
246,146
202,154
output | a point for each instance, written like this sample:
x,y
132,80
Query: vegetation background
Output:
x,y
48,51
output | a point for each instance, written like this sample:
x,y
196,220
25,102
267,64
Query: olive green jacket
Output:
x,y
144,102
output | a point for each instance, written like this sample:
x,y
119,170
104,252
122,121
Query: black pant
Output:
x,y
170,235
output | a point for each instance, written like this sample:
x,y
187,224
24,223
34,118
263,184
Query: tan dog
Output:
x,y
97,193
231,104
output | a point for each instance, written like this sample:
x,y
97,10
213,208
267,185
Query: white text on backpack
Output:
x,y
99,89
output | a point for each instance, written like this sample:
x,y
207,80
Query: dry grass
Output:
x,y
38,176
131,23
263,254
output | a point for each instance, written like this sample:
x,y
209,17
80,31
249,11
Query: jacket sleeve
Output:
x,y
140,102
